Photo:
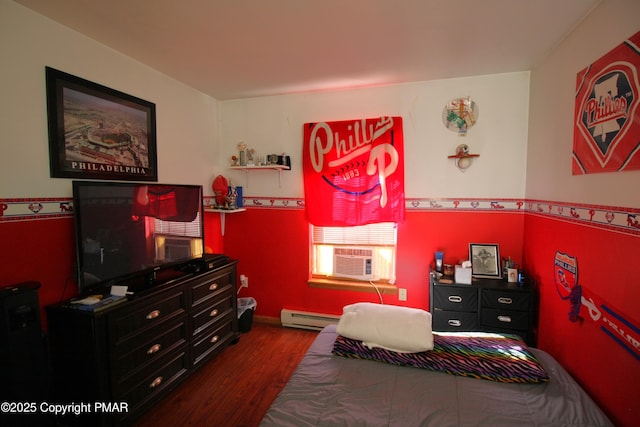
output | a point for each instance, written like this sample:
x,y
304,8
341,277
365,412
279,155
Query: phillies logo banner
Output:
x,y
606,136
566,273
354,171
566,278
608,319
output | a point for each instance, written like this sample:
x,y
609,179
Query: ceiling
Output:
x,y
246,48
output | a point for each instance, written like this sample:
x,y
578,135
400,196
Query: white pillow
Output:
x,y
395,328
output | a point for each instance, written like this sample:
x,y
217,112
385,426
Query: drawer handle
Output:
x,y
155,383
455,298
213,286
505,300
214,312
454,322
152,315
504,319
154,349
215,339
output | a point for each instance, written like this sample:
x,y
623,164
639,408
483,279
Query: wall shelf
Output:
x,y
246,170
463,156
464,159
223,213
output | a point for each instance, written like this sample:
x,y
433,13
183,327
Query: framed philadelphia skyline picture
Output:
x,y
96,132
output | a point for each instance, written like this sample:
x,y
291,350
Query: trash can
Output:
x,y
246,307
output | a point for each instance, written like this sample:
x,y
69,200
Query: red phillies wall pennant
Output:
x,y
606,136
611,321
354,171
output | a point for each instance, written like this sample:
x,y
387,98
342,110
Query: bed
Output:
x,y
333,390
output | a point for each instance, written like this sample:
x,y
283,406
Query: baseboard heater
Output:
x,y
306,320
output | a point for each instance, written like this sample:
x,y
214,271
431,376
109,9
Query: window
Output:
x,y
178,228
177,240
371,247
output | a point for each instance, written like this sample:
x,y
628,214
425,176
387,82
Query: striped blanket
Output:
x,y
502,358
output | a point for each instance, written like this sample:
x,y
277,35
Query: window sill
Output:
x,y
352,285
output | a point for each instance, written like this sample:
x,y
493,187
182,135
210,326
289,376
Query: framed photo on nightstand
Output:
x,y
485,260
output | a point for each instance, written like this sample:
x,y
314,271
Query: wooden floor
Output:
x,y
237,387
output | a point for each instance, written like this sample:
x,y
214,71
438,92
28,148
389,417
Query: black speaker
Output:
x,y
24,375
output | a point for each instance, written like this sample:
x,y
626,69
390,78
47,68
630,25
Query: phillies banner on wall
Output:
x,y
618,326
354,171
606,136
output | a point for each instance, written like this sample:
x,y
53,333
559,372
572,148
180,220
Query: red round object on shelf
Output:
x,y
220,188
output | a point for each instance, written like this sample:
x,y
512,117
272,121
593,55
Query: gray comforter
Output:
x,y
328,390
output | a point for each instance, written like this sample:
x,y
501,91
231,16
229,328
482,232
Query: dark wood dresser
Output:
x,y
133,352
486,305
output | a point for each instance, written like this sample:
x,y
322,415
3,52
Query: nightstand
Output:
x,y
487,305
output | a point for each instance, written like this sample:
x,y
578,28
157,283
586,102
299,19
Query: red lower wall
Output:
x,y
41,251
608,273
272,247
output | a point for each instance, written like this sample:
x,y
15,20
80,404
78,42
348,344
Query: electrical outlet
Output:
x,y
244,281
402,294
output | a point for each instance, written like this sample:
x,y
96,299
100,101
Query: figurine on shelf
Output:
x,y
231,200
250,154
242,148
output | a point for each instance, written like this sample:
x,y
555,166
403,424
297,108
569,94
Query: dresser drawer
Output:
x,y
505,319
145,388
210,286
214,312
136,355
510,300
454,298
448,321
211,342
144,314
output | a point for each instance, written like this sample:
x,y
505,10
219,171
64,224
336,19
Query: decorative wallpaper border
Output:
x,y
410,204
465,204
612,218
35,209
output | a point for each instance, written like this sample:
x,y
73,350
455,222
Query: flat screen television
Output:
x,y
126,233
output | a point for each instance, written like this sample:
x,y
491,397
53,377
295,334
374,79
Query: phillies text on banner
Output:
x,y
354,171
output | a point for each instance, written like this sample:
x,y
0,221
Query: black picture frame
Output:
x,y
485,260
96,132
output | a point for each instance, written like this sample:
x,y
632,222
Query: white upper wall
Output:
x,y
187,131
197,135
553,86
275,125
192,149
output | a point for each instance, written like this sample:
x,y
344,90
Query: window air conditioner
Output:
x,y
354,263
177,248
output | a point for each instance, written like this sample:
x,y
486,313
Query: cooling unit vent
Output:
x,y
173,248
354,263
